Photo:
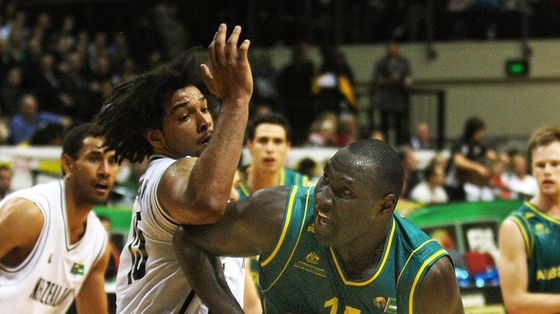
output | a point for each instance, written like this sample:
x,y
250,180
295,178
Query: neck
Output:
x,y
76,215
361,263
547,204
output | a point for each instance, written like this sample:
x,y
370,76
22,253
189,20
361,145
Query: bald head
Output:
x,y
374,161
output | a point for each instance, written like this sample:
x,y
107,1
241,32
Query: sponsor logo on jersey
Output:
x,y
311,264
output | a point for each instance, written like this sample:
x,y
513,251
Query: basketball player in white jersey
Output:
x,y
165,115
53,249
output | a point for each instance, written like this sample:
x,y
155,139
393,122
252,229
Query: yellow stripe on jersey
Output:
x,y
379,267
410,256
428,261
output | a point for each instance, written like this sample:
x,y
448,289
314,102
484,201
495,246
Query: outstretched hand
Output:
x,y
229,77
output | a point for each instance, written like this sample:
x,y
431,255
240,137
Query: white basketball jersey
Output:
x,y
51,276
149,278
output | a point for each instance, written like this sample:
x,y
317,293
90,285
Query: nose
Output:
x,y
323,195
105,167
204,121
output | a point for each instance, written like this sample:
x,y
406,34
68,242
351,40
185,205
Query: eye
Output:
x,y
324,178
93,158
343,193
185,117
204,109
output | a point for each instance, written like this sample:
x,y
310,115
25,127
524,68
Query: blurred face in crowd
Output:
x,y
29,107
438,177
423,132
519,165
269,147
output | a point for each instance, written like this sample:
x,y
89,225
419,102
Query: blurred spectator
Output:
x,y
347,129
47,134
118,49
411,174
391,78
518,180
67,31
144,41
97,49
5,180
468,162
11,90
413,23
333,86
323,131
45,82
23,124
77,93
16,33
422,137
308,166
431,190
500,189
294,90
5,137
265,87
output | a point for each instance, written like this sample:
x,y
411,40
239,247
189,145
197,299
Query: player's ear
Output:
x,y
388,203
154,137
66,164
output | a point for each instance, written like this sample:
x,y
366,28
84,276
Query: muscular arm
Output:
x,y
202,199
92,297
249,227
21,222
513,271
439,290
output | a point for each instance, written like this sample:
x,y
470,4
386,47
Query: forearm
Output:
x,y
205,274
542,303
231,80
215,169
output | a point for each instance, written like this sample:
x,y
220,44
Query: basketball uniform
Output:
x,y
149,279
51,276
541,234
287,177
303,276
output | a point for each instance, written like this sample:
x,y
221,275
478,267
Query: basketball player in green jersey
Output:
x,y
338,247
268,142
529,265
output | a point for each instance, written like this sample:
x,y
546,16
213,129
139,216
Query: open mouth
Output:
x,y
322,220
102,187
204,140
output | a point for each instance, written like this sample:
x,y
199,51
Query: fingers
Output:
x,y
208,78
231,48
221,51
243,50
229,71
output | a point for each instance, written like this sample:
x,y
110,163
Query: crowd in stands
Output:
x,y
55,75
